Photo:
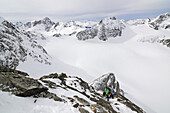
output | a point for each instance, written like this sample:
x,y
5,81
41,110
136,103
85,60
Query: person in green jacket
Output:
x,y
106,93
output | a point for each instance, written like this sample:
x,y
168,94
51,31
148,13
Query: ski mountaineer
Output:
x,y
108,93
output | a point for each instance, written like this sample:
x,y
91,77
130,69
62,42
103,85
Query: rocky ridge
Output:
x,y
65,89
162,21
16,45
107,80
45,22
106,28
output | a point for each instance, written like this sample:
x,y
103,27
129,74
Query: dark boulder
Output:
x,y
20,85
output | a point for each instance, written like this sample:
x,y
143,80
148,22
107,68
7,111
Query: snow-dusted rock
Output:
x,y
110,28
1,20
137,22
162,21
107,80
66,28
107,28
165,42
20,85
16,45
87,34
44,24
71,90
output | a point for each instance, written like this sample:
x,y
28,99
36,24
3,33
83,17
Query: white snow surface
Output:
x,y
141,67
13,104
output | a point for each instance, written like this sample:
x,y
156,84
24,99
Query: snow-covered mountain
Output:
x,y
106,28
136,51
16,45
162,21
44,24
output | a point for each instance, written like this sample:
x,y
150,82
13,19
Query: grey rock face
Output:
x,y
11,48
165,42
110,28
87,34
57,35
161,21
107,28
82,110
16,45
107,80
20,85
46,21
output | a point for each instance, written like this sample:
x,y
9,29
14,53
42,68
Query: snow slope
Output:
x,y
13,104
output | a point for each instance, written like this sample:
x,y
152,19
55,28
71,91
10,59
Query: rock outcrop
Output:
x,y
11,48
45,22
19,84
16,45
165,42
110,28
161,21
87,34
67,89
107,80
82,95
106,28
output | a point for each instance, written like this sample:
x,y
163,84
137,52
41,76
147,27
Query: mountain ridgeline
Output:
x,y
21,40
16,45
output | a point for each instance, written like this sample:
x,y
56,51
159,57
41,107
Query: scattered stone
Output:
x,y
57,35
76,105
82,110
62,76
53,75
82,101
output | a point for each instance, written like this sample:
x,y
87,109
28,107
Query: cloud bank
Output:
x,y
78,9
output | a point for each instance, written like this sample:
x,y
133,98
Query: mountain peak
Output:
x,y
46,19
161,21
163,16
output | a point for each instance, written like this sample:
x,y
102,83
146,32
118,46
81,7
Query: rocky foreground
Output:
x,y
82,96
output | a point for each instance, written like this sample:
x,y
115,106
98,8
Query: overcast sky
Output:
x,y
64,10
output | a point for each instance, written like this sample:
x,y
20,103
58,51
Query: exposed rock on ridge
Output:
x,y
107,28
67,89
16,45
162,21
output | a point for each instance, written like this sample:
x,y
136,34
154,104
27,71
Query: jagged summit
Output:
x,y
162,21
46,19
43,24
107,80
106,28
